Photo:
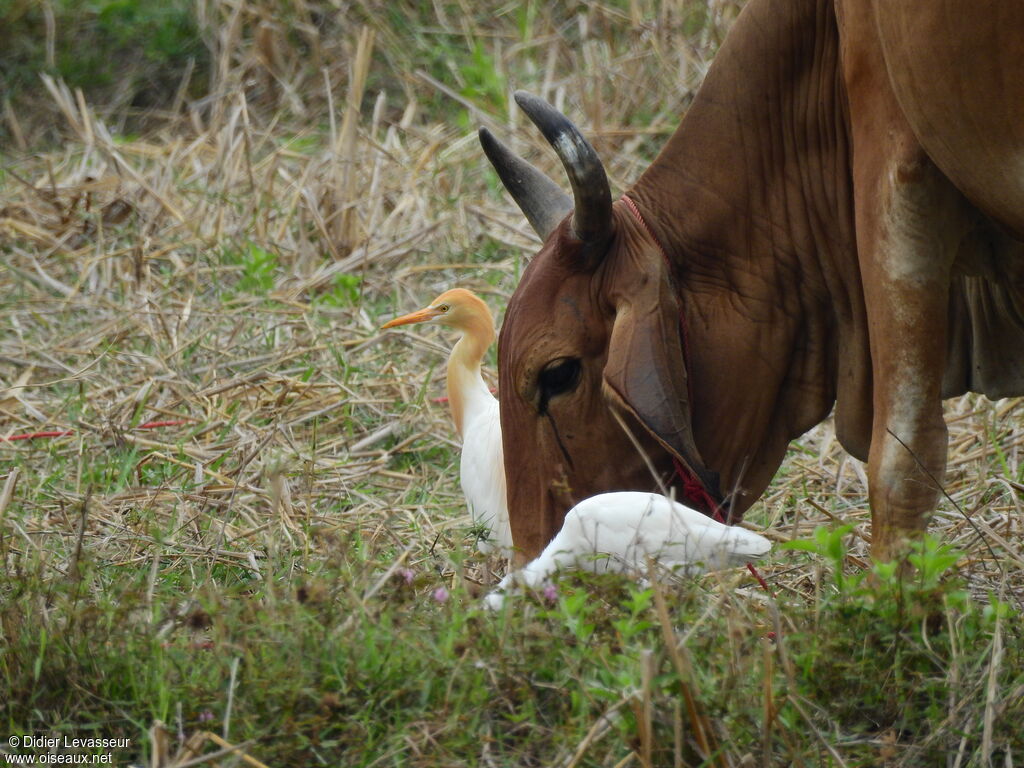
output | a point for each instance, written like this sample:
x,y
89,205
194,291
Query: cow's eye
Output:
x,y
557,378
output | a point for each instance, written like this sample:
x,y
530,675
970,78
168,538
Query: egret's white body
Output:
x,y
482,473
620,531
474,410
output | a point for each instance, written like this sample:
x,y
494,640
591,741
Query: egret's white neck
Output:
x,y
467,391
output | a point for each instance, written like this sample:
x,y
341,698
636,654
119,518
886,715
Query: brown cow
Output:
x,y
833,223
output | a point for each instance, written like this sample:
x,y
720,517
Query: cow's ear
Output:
x,y
646,376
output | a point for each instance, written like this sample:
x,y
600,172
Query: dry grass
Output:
x,y
229,274
124,272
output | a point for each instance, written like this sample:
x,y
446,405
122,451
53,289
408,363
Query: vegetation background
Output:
x,y
230,525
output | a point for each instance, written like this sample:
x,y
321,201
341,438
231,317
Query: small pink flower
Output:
x,y
550,593
408,574
205,716
441,595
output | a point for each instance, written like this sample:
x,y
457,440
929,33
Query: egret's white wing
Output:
x,y
482,473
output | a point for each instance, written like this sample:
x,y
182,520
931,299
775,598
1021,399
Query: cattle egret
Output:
x,y
620,531
474,410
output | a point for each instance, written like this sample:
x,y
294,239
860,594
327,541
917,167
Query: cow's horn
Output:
x,y
542,201
592,195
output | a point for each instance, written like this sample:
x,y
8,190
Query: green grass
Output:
x,y
327,670
132,52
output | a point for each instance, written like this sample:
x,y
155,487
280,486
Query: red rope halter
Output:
x,y
693,489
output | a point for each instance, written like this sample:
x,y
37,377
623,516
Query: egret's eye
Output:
x,y
443,308
557,378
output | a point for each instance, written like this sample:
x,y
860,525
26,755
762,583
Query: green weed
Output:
x,y
344,291
129,44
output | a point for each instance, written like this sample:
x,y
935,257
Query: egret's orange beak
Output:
x,y
420,316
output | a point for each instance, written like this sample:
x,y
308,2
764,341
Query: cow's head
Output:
x,y
593,383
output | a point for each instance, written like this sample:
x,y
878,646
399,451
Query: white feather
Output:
x,y
482,473
620,531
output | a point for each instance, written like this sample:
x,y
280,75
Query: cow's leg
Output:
x,y
910,231
909,221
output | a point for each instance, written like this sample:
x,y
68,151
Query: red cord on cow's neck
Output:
x,y
65,432
693,489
